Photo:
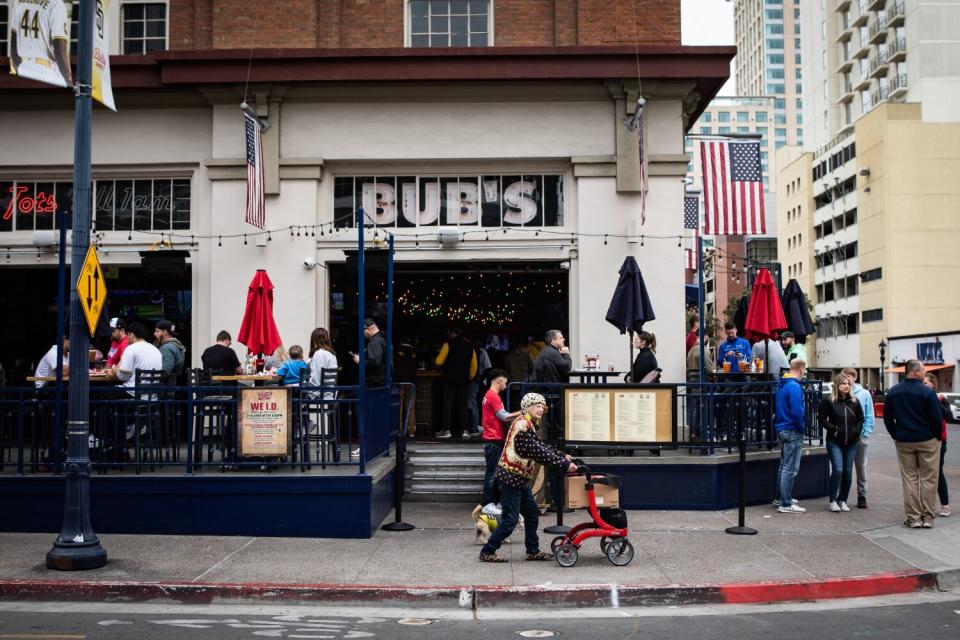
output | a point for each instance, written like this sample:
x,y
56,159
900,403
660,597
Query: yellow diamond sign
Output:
x,y
92,289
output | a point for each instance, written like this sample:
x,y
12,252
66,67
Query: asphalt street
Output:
x,y
931,616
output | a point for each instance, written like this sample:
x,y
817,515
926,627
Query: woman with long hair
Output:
x,y
931,381
841,416
322,356
646,360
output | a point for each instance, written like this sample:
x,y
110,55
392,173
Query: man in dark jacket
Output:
x,y
376,355
553,364
911,414
458,361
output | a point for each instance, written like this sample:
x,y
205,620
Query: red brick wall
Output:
x,y
239,24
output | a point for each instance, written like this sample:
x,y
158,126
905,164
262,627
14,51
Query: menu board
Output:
x,y
588,415
619,414
265,422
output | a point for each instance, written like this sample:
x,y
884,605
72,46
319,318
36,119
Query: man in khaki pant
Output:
x,y
911,414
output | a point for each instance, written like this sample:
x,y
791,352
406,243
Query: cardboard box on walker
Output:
x,y
576,494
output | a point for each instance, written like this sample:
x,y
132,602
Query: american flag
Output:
x,y
691,220
256,209
732,188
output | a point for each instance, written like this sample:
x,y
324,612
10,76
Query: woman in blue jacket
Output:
x,y
842,418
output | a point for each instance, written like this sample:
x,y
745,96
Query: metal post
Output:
x,y
741,529
361,338
77,547
701,303
398,524
61,309
389,367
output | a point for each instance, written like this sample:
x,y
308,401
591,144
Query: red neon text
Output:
x,y
42,203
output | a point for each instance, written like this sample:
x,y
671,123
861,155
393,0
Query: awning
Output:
x,y
928,367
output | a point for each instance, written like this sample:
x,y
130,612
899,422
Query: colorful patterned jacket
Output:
x,y
521,449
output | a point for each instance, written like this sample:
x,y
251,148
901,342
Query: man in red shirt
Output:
x,y
118,332
493,417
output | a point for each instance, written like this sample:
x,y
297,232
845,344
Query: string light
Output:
x,y
269,237
219,241
642,240
678,241
604,239
129,236
244,238
291,231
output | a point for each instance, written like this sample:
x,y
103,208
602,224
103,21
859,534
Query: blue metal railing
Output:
x,y
722,408
193,428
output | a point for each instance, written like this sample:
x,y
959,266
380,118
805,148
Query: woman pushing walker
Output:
x,y
521,449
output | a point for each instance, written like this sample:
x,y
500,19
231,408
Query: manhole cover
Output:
x,y
536,633
414,621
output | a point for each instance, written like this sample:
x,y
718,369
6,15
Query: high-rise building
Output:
x,y
768,61
869,195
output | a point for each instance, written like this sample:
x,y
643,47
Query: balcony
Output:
x,y
863,50
898,50
896,14
845,66
846,91
898,86
881,95
877,33
846,32
842,5
878,68
864,81
862,16
875,4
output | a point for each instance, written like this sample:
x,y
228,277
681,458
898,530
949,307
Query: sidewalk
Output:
x,y
681,557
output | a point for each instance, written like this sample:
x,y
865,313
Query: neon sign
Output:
x,y
41,203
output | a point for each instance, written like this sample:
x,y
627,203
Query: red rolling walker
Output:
x,y
609,524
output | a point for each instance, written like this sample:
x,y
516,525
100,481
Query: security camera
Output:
x,y
865,171
309,263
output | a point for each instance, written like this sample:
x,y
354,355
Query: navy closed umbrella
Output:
x,y
740,317
630,307
796,311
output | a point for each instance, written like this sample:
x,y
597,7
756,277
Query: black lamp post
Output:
x,y
883,358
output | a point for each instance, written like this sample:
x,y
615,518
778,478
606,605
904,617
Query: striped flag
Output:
x,y
732,188
691,259
256,209
643,163
691,220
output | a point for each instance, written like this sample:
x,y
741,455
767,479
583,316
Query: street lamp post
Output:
x,y
883,358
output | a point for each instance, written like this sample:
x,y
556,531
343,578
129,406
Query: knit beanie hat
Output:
x,y
531,399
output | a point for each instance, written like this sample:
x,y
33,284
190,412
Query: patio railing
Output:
x,y
192,428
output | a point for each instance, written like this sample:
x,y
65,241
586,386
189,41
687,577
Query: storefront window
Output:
x,y
118,205
531,200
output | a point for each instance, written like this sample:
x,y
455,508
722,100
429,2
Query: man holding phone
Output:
x,y
376,354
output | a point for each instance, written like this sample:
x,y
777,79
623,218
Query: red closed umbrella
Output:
x,y
765,317
258,331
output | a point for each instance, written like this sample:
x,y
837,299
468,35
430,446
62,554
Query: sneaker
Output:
x,y
861,502
834,507
944,511
912,524
928,524
492,509
442,435
843,506
776,502
471,434
793,508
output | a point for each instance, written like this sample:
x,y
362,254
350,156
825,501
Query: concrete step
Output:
x,y
452,461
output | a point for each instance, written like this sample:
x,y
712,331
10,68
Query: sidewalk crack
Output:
x,y
227,557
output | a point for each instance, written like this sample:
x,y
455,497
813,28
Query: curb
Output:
x,y
474,597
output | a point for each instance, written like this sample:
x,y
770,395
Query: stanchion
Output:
x,y
561,502
741,529
398,524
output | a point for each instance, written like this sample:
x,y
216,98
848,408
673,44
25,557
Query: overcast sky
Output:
x,y
708,22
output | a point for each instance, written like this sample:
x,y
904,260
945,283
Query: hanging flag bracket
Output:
x,y
632,121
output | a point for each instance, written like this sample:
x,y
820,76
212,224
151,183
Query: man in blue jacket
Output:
x,y
733,349
911,414
790,424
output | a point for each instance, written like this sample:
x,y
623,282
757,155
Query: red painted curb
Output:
x,y
829,588
583,595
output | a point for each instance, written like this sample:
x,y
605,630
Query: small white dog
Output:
x,y
486,524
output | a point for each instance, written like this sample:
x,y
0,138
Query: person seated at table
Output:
x,y
291,370
646,360
276,359
220,358
47,367
118,341
322,356
733,349
777,359
140,355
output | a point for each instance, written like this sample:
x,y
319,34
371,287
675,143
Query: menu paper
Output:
x,y
264,422
635,417
589,413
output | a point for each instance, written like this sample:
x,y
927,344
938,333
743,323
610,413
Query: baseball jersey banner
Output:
x,y
102,89
40,41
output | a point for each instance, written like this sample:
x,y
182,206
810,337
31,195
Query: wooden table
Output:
x,y
93,378
254,378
